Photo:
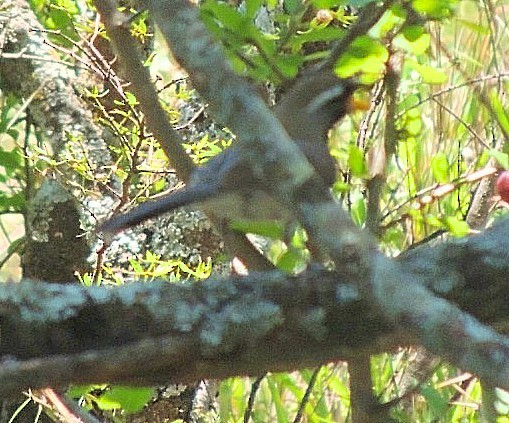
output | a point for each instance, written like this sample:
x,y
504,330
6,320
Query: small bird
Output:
x,y
226,188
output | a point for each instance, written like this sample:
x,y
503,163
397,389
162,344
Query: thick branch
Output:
x,y
161,332
141,85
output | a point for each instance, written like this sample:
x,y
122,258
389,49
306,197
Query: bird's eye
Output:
x,y
325,98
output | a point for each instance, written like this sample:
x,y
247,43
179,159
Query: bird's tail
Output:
x,y
164,204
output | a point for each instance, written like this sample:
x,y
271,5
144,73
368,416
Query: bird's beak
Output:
x,y
359,103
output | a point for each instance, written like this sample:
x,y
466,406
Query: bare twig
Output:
x,y
305,399
255,386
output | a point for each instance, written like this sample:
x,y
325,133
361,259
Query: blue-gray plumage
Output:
x,y
225,185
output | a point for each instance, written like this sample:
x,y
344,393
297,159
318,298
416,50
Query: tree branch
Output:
x,y
53,335
162,332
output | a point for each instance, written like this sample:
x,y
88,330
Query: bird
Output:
x,y
225,187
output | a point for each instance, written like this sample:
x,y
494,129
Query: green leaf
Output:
x,y
436,402
413,127
158,185
413,39
366,46
500,113
224,399
501,158
137,267
70,6
77,391
327,4
129,399
340,187
359,3
289,64
11,160
434,221
435,9
281,408
289,382
358,212
291,260
14,202
457,227
484,30
227,15
105,403
252,7
413,32
299,238
131,99
365,56
328,33
16,245
58,19
440,168
429,74
272,4
387,23
268,228
356,161
292,6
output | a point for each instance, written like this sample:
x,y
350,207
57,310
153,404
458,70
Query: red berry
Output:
x,y
503,186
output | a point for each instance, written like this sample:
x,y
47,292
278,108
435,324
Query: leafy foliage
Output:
x,y
59,16
121,398
11,158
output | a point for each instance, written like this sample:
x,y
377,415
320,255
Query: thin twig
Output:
x,y
368,17
255,386
307,394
